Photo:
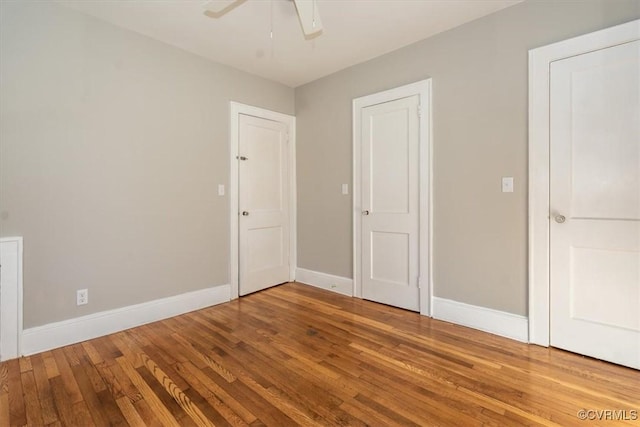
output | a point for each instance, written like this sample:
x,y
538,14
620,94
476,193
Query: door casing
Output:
x,y
236,109
423,90
540,60
10,297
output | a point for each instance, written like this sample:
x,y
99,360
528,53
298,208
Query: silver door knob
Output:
x,y
245,213
560,219
365,212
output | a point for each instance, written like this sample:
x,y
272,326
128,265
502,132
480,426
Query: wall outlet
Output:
x,y
82,296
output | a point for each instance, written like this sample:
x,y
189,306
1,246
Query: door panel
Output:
x,y
265,248
389,146
595,185
264,204
590,268
389,255
264,149
390,196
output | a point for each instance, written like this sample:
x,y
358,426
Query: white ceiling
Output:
x,y
354,30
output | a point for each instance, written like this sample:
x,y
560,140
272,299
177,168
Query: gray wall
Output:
x,y
112,146
479,73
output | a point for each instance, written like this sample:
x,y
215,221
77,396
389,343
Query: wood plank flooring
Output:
x,y
297,355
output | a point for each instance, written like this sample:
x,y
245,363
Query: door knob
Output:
x,y
243,158
560,219
365,212
245,213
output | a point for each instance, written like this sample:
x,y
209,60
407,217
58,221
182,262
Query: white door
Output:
x,y
263,204
391,202
595,204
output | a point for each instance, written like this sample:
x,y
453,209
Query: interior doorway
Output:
x,y
392,196
585,195
262,199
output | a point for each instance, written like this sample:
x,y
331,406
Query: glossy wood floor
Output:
x,y
296,355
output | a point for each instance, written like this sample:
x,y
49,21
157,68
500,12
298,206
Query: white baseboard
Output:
x,y
341,285
59,334
485,319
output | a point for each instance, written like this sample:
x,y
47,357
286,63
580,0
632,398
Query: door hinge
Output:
x,y
419,110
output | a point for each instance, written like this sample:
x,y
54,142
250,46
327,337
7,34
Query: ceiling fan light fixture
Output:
x,y
217,8
309,18
307,14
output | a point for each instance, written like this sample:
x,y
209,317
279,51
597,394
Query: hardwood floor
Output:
x,y
299,355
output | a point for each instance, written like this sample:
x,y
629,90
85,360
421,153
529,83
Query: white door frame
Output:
x,y
540,60
236,110
11,298
423,90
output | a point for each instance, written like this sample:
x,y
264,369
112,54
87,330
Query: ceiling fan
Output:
x,y
307,13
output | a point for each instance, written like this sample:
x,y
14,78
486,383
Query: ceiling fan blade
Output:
x,y
309,17
217,8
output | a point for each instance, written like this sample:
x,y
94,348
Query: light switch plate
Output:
x,y
345,189
220,189
507,184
